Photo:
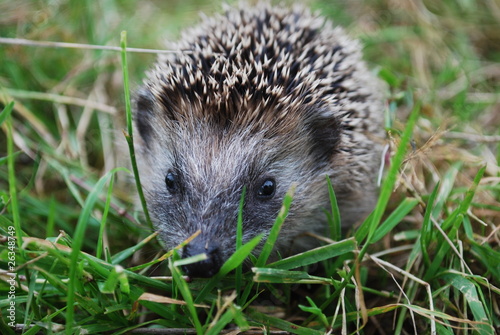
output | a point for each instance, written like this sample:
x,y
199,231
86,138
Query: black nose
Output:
x,y
205,268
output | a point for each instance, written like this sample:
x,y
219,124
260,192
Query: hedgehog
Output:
x,y
260,98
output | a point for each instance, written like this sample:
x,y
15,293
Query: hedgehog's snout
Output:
x,y
205,268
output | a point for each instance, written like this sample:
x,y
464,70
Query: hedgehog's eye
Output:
x,y
171,180
266,189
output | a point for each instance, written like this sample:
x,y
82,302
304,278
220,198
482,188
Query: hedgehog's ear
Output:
x,y
143,113
324,131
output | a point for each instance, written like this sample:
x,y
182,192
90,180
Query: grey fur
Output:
x,y
262,92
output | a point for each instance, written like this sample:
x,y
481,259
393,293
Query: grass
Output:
x,y
85,261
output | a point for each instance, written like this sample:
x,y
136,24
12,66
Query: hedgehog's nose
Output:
x,y
205,268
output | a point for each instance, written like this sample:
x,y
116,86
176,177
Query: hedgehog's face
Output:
x,y
193,174
194,180
202,190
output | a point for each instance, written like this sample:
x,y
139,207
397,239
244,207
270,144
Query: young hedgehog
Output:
x,y
262,97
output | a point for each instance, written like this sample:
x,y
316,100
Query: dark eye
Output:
x,y
171,181
266,190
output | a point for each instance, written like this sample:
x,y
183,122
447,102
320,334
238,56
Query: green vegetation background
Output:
x,y
440,244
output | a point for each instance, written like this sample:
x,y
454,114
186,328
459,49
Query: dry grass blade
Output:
x,y
49,44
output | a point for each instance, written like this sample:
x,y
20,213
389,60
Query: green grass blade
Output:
x,y
273,234
47,319
313,309
442,330
426,231
489,257
190,260
270,321
103,269
270,275
363,230
271,239
4,160
105,212
129,136
51,217
221,323
335,223
233,313
316,255
115,278
183,287
390,181
239,242
6,112
80,300
453,223
14,205
78,238
444,247
447,183
129,252
469,195
405,207
370,225
475,302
